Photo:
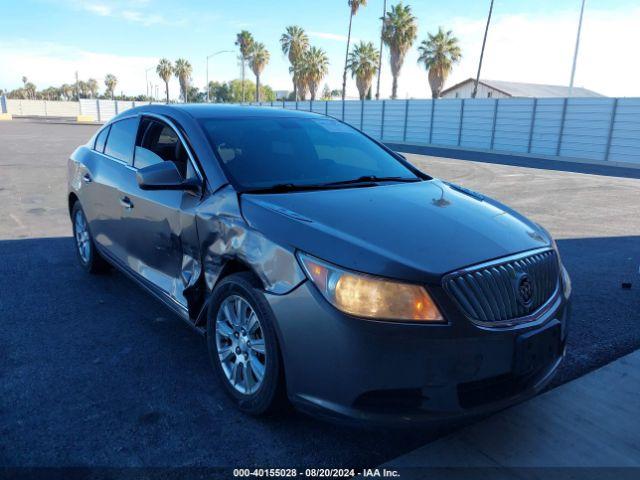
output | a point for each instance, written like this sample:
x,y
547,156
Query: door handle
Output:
x,y
87,178
126,203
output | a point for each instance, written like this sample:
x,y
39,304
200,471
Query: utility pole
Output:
x,y
384,13
575,53
208,57
484,42
146,79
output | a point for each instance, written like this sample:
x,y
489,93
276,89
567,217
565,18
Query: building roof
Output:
x,y
519,89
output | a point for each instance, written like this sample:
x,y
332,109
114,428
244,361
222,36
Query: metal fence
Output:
x,y
599,129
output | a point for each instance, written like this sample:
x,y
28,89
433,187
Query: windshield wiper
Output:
x,y
372,179
285,187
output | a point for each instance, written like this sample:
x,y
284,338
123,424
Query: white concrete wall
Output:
x,y
42,108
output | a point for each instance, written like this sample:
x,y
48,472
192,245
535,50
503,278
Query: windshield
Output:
x,y
261,153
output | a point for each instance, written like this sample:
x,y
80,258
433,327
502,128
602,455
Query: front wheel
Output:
x,y
243,346
88,256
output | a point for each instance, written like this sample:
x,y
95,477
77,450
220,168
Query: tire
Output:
x,y
88,255
232,353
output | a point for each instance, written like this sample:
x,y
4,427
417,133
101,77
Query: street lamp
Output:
x,y
208,57
146,78
575,53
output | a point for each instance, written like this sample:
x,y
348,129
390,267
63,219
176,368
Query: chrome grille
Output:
x,y
493,292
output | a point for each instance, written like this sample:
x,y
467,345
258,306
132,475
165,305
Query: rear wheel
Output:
x,y
243,346
88,256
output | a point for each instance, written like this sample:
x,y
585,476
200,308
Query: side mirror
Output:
x,y
164,176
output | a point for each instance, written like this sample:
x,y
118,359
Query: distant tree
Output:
x,y
326,92
83,87
439,53
244,41
30,90
165,71
399,31
354,5
363,63
182,71
110,81
67,91
294,43
92,85
258,60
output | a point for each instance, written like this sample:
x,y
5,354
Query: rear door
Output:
x,y
160,230
111,165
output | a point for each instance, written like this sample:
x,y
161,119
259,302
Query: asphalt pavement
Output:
x,y
94,372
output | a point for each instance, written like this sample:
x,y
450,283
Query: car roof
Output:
x,y
201,110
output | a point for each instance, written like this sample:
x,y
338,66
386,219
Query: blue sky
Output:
x,y
530,40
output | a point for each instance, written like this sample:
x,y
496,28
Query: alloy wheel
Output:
x,y
240,344
83,241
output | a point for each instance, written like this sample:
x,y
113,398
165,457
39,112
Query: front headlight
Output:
x,y
368,296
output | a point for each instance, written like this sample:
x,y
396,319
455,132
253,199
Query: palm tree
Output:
x,y
314,67
67,91
164,71
110,81
354,5
399,32
363,63
300,83
258,59
182,71
244,40
438,54
92,85
294,43
84,88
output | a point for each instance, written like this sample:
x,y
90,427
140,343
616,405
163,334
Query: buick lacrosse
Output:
x,y
322,267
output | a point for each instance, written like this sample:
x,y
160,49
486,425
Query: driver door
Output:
x,y
161,236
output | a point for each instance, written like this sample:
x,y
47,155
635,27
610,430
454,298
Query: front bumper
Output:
x,y
391,373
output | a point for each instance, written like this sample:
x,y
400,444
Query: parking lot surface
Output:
x,y
93,371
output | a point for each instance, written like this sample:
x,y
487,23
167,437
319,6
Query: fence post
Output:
x,y
406,116
382,121
296,104
283,100
45,108
361,114
562,119
493,127
3,104
433,106
461,119
311,105
343,109
326,108
614,111
98,109
533,122
115,106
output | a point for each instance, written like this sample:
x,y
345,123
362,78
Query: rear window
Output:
x,y
266,151
121,139
101,139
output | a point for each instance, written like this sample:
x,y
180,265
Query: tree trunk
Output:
x,y
166,86
258,88
394,87
295,90
242,79
346,59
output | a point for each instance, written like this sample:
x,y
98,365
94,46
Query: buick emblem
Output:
x,y
524,290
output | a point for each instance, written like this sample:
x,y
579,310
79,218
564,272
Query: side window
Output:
x,y
101,139
158,142
121,139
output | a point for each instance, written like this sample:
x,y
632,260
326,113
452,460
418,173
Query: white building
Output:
x,y
501,89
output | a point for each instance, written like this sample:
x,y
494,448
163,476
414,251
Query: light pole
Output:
x,y
146,79
208,57
384,13
575,53
484,41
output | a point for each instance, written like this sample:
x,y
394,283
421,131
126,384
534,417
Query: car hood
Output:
x,y
413,231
